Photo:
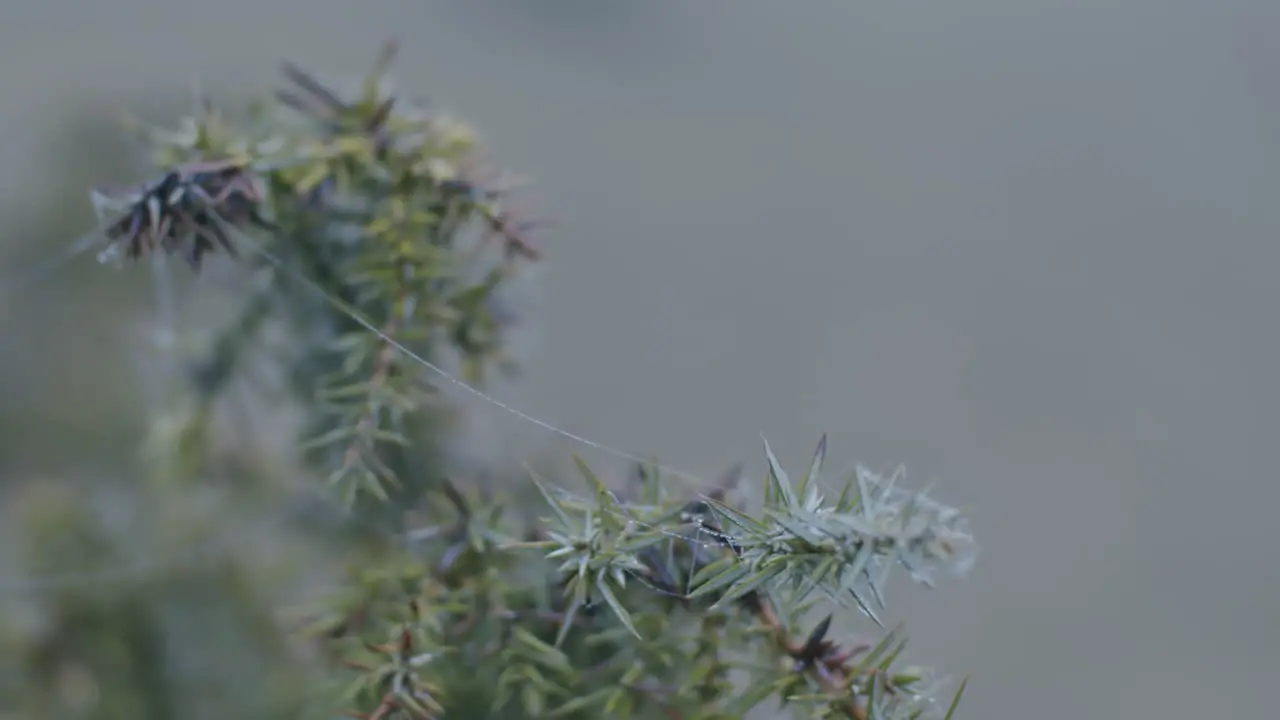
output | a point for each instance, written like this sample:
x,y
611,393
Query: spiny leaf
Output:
x,y
618,609
567,623
749,584
779,481
582,702
331,437
874,654
812,477
604,497
556,506
725,575
549,655
747,524
955,701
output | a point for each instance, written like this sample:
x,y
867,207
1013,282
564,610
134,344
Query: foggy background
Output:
x,y
1027,248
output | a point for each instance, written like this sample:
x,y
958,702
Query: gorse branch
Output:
x,y
379,202
375,244
758,565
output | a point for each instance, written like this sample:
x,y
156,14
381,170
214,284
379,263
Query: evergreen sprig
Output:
x,y
379,202
368,229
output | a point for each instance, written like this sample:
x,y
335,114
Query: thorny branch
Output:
x,y
375,185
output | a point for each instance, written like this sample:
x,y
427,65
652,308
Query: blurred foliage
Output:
x,y
346,572
49,397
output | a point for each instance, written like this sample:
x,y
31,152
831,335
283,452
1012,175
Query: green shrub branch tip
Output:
x,y
379,240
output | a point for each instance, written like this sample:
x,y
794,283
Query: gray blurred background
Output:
x,y
1026,247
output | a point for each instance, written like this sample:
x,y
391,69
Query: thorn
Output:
x,y
814,645
455,497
